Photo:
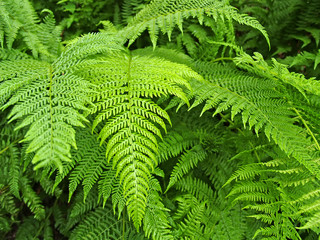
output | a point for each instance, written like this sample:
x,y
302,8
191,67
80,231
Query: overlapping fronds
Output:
x,y
261,104
102,224
156,222
186,162
18,19
279,192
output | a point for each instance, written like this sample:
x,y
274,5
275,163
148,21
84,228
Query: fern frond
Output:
x,y
118,199
197,188
12,54
280,72
261,106
81,207
130,121
89,168
101,224
155,221
7,201
85,47
106,184
19,19
31,199
174,143
15,171
313,222
54,102
191,226
164,16
28,229
49,102
187,161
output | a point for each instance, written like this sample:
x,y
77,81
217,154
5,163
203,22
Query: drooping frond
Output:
x,y
91,163
165,15
280,72
261,104
266,188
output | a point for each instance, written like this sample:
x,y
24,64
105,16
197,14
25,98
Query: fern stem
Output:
x,y
123,224
51,112
223,59
307,127
253,149
44,221
240,131
11,144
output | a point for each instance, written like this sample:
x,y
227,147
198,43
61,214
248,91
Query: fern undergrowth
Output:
x,y
168,123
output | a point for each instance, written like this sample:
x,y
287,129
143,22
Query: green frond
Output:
x,y
155,221
118,199
48,184
131,122
261,106
90,163
279,72
233,223
101,224
31,199
165,15
28,229
249,186
85,47
191,226
49,102
12,54
4,225
106,184
48,230
187,161
174,143
19,19
7,201
15,170
309,195
196,187
130,8
80,207
308,114
313,222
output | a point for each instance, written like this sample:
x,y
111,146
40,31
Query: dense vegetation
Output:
x,y
161,119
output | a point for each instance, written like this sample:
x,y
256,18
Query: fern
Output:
x,y
164,16
132,137
101,224
262,109
187,162
181,137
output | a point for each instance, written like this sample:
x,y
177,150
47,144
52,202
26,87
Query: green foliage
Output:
x,y
177,133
